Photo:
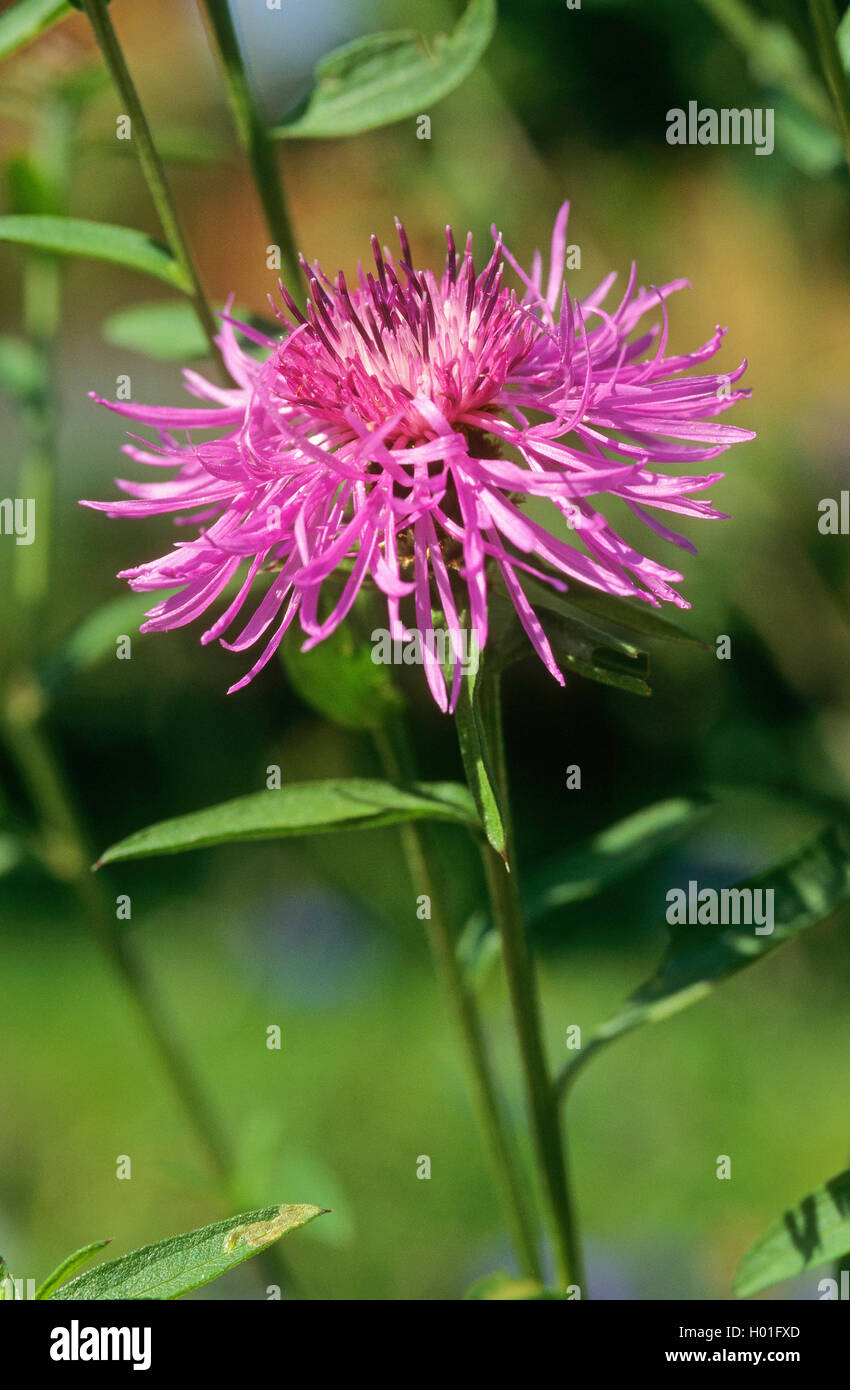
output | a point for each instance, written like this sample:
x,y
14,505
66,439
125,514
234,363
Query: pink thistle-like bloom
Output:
x,y
393,434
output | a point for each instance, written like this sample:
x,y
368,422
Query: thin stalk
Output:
x,y
254,136
41,312
394,752
541,1094
825,22
68,855
152,167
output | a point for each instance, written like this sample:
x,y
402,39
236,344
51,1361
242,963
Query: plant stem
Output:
x,y
152,168
542,1098
393,749
825,22
68,856
255,138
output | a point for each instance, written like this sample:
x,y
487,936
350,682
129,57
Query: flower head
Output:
x,y
392,435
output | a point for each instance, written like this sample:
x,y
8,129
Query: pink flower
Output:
x,y
393,435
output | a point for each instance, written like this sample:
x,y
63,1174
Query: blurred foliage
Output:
x,y
321,936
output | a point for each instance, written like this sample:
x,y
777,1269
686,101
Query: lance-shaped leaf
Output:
x,y
182,1263
385,77
581,601
618,850
474,719
807,1235
586,870
73,236
580,642
302,808
26,20
63,1272
807,886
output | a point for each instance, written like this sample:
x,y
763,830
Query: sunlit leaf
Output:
x,y
302,808
68,1267
71,236
385,77
807,1235
176,1266
26,20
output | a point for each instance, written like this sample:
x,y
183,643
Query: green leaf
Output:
x,y
303,808
472,715
68,1267
579,643
95,638
612,854
22,370
339,679
583,872
595,655
26,20
629,614
5,1274
72,236
182,1263
807,1235
166,329
808,886
385,77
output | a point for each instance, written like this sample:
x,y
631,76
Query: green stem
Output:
x,y
68,856
394,751
41,285
152,167
825,22
542,1097
255,138
41,313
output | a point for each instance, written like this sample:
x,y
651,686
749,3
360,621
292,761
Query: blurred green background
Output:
x,y
320,936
